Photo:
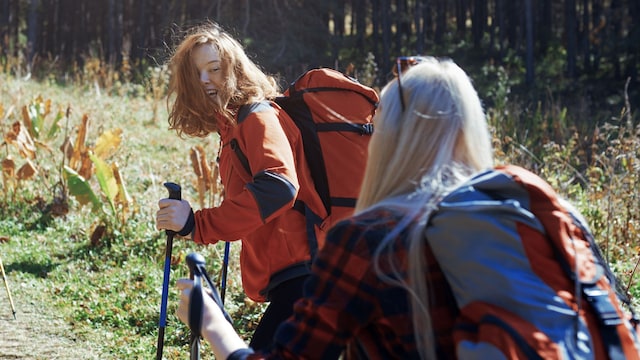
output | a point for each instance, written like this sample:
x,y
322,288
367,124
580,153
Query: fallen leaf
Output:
x,y
26,171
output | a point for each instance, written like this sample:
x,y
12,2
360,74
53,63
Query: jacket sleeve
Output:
x,y
271,191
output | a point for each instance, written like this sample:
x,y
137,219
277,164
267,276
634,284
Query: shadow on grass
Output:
x,y
40,270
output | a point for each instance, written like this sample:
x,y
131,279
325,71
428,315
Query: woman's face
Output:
x,y
207,61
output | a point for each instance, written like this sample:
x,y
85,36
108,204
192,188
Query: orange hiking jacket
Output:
x,y
258,207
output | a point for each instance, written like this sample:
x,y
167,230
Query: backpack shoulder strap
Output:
x,y
247,109
243,112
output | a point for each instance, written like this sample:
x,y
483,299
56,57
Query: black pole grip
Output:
x,y
175,192
196,265
194,261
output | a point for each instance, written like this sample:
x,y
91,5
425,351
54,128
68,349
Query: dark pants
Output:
x,y
280,308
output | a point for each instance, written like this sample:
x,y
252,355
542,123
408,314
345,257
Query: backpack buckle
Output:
x,y
602,306
366,129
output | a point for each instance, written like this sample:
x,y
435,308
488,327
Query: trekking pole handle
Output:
x,y
197,266
175,193
194,261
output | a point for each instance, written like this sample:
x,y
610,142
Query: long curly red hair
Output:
x,y
191,110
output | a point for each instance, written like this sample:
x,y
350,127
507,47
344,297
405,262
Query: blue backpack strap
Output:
x,y
608,319
247,109
605,311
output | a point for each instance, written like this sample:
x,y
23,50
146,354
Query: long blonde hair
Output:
x,y
193,112
416,156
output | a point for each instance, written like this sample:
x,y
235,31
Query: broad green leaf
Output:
x,y
35,116
37,119
81,190
54,128
106,180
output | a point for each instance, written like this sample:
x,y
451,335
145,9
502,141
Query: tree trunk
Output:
x,y
111,28
400,27
479,21
545,26
375,36
596,36
461,18
5,33
572,39
427,19
419,26
51,28
529,31
513,22
615,19
140,29
441,21
633,41
385,14
584,36
338,11
360,14
500,24
32,31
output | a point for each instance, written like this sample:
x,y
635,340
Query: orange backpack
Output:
x,y
528,277
334,113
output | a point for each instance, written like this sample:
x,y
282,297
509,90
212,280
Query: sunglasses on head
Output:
x,y
402,64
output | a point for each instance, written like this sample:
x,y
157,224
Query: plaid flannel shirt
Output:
x,y
348,309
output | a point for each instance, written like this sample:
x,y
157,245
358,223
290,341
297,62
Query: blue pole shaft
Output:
x,y
165,295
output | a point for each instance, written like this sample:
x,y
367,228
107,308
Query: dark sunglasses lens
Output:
x,y
403,63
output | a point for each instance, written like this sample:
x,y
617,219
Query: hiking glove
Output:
x,y
175,215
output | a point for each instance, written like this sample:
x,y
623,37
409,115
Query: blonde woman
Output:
x,y
212,80
430,136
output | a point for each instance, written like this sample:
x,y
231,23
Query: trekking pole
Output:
x,y
197,272
6,286
195,305
175,192
225,267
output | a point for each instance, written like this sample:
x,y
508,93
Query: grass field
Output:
x,y
108,288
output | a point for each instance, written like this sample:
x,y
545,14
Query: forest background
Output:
x,y
86,147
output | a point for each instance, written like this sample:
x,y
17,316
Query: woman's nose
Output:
x,y
204,78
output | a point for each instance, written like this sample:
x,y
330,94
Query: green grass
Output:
x,y
110,290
